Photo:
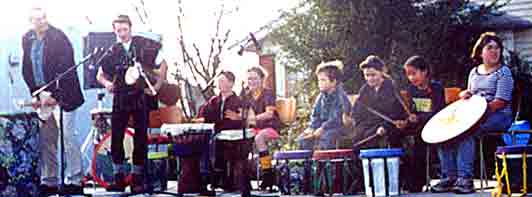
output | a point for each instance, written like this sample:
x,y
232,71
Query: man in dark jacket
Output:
x,y
48,53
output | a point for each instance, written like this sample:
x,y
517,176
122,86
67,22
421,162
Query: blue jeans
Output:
x,y
457,159
326,141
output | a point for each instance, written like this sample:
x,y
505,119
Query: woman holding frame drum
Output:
x,y
492,80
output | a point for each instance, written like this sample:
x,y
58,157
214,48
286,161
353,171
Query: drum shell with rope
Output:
x,y
190,142
334,171
292,177
515,166
234,145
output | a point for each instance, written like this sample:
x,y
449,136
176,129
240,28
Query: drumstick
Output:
x,y
378,113
366,140
398,97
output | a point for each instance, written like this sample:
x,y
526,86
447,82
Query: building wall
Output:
x,y
522,39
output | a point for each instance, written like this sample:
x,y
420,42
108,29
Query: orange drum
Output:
x,y
456,119
166,115
286,107
451,94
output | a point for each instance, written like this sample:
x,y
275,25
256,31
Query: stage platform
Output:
x,y
172,188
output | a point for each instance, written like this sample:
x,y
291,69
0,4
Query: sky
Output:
x,y
199,19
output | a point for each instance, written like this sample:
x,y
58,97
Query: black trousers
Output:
x,y
119,123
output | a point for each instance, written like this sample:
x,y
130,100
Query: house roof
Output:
x,y
506,22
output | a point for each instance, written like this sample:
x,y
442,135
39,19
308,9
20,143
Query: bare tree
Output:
x,y
203,69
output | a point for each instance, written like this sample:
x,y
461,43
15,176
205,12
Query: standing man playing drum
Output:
x,y
224,110
48,53
130,99
492,80
262,102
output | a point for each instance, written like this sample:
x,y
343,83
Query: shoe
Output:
x,y
464,186
73,189
445,185
119,183
268,179
137,184
46,190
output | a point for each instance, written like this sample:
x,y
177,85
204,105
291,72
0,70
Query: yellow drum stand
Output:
x,y
505,154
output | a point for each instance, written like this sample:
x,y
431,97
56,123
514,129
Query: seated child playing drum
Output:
x,y
332,103
378,110
428,97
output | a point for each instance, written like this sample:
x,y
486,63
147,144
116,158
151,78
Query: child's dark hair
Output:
x,y
372,61
332,72
482,41
229,75
419,63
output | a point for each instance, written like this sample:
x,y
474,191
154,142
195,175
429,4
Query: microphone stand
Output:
x,y
56,82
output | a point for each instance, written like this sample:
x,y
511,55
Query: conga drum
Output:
x,y
19,150
293,179
455,120
190,142
334,171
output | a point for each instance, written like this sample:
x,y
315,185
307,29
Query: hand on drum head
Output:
x,y
466,94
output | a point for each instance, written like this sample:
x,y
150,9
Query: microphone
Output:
x,y
255,42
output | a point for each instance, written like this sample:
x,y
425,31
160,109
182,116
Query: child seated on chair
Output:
x,y
332,103
377,95
428,99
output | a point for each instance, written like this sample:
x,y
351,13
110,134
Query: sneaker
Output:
x,y
464,186
119,183
445,185
268,179
73,189
137,184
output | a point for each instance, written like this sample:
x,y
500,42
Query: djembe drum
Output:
x,y
235,146
291,181
190,142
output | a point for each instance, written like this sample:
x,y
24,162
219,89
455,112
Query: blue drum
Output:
x,y
294,177
381,171
511,168
19,154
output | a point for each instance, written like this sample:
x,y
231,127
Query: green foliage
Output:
x,y
323,30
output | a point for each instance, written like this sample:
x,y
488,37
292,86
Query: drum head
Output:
x,y
234,135
454,120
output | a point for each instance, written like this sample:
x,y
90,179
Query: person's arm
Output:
x,y
102,79
315,115
269,101
335,118
503,94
